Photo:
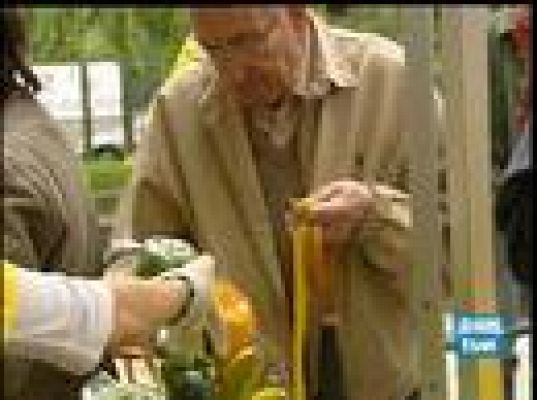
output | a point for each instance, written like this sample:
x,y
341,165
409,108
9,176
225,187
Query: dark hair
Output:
x,y
17,77
515,219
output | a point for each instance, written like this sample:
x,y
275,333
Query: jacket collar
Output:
x,y
326,67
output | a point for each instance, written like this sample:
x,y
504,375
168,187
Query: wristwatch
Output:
x,y
186,307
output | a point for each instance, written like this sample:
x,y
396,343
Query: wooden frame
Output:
x,y
465,62
421,120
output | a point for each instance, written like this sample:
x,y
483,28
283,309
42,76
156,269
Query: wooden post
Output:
x,y
423,143
464,44
127,92
86,106
126,103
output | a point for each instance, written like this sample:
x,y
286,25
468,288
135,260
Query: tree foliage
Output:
x,y
147,41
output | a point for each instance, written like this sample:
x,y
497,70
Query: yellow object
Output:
x,y
237,316
303,241
190,54
242,376
270,394
489,375
9,297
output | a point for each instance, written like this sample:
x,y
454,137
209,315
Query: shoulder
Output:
x,y
22,114
361,49
36,149
31,133
186,87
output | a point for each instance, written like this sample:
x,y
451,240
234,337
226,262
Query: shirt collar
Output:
x,y
325,67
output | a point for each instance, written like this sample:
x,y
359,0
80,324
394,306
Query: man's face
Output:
x,y
256,51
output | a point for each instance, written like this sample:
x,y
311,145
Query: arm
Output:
x,y
386,234
69,321
155,202
61,320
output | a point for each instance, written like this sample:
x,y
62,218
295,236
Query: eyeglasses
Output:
x,y
242,43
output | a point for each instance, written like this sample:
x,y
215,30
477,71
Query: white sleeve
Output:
x,y
63,320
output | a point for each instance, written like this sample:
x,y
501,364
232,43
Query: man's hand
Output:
x,y
339,207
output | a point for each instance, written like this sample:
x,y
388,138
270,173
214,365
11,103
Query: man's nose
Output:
x,y
226,57
238,75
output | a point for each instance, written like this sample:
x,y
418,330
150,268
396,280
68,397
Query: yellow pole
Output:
x,y
302,236
307,244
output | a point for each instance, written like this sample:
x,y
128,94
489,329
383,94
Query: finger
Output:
x,y
339,210
336,187
349,194
134,351
326,192
336,233
132,345
331,214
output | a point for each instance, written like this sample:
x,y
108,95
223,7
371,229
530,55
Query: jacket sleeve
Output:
x,y
385,238
155,202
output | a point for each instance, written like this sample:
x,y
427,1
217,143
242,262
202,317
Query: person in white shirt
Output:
x,y
69,321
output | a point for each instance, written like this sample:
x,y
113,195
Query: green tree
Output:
x,y
145,40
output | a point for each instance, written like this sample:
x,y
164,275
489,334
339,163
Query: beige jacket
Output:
x,y
195,177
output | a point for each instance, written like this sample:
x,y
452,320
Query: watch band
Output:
x,y
186,307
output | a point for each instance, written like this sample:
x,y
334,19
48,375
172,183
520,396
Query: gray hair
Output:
x,y
259,13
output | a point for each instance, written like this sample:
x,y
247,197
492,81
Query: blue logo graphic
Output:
x,y
482,335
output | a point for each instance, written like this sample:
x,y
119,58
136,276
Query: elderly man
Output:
x,y
281,106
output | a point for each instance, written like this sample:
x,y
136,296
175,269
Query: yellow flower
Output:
x,y
237,316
